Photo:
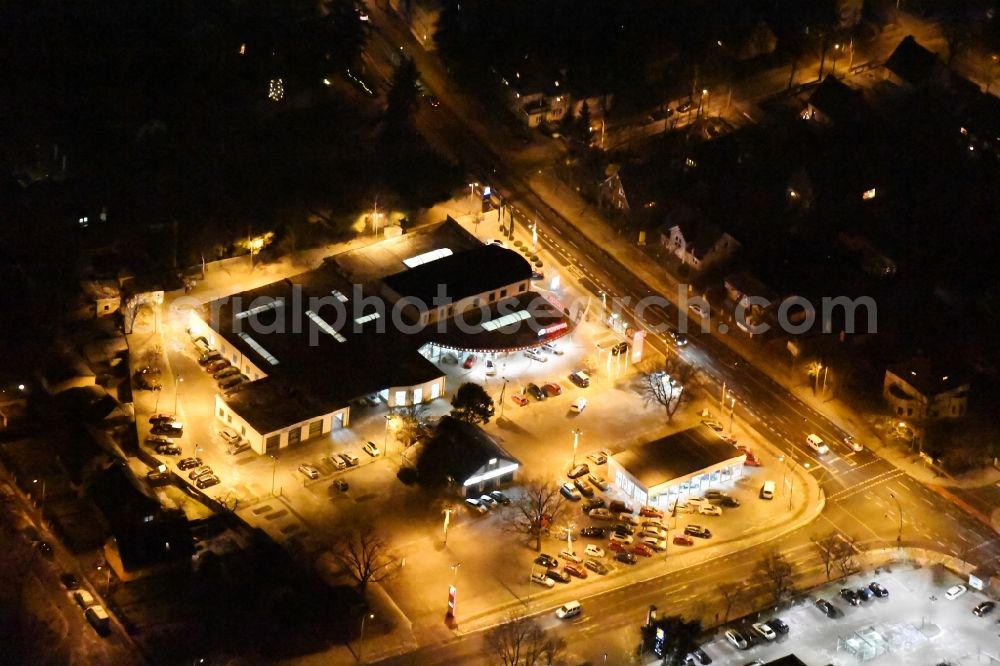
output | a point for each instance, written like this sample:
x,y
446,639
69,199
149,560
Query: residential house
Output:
x,y
753,297
835,103
696,242
146,538
99,298
912,66
536,98
636,192
919,389
471,457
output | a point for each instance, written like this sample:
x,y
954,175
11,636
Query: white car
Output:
x,y
622,538
552,349
598,482
569,609
491,369
737,639
598,457
229,436
854,444
655,532
954,592
710,510
542,579
656,543
578,405
309,471
816,443
371,449
535,356
476,505
600,513
764,630
571,556
593,551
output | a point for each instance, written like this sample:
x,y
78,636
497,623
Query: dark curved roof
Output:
x,y
464,274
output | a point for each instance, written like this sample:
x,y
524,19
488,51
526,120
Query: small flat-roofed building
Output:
x,y
658,472
458,282
470,456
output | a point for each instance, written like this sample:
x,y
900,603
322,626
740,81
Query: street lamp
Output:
x,y
385,438
177,380
42,504
274,466
107,580
361,640
707,100
502,391
576,441
836,54
899,508
447,520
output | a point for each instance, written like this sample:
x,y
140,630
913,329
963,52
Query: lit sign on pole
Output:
x,y
637,343
452,596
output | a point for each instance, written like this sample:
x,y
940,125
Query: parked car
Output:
x,y
83,599
654,531
542,579
209,357
228,436
535,356
168,450
729,502
371,449
682,540
350,459
650,512
618,537
189,463
879,589
552,349
580,378
518,399
577,407
619,349
475,505
737,639
215,366
618,506
594,532
698,531
470,361
778,625
157,419
656,543
499,497
954,592
593,551
487,501
764,631
864,594
570,556
309,471
578,471
709,510
702,658
627,558
552,389
593,503
597,457
558,576
643,549
98,619
617,547
534,391
241,446
69,581
491,369
169,429
598,482
623,528
597,567
577,570
199,472
207,481
985,608
584,489
231,384
341,485
225,372
335,461
828,609
568,491
546,561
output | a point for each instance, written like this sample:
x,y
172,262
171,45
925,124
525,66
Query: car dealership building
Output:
x,y
658,472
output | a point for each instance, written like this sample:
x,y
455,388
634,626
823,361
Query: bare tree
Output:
x,y
665,384
538,507
845,554
825,547
364,555
521,641
411,427
779,575
732,594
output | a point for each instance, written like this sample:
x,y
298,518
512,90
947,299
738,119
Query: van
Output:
x,y
578,405
83,599
580,378
569,609
767,490
817,444
98,618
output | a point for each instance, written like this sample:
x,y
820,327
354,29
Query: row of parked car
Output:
x,y
484,503
227,377
95,613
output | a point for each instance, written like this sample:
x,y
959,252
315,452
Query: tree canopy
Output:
x,y
472,404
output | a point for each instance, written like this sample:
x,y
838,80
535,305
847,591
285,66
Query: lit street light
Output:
x,y
274,466
177,380
899,508
576,441
42,504
361,639
447,521
385,438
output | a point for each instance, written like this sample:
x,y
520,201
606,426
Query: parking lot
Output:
x,y
915,624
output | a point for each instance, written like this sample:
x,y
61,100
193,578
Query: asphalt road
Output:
x,y
867,497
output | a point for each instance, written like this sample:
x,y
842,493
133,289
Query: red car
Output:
x,y
642,549
650,512
470,361
617,546
752,461
575,569
552,389
519,399
682,540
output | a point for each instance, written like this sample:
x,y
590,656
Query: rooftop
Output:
x,y
467,448
929,377
676,456
839,101
465,274
912,62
